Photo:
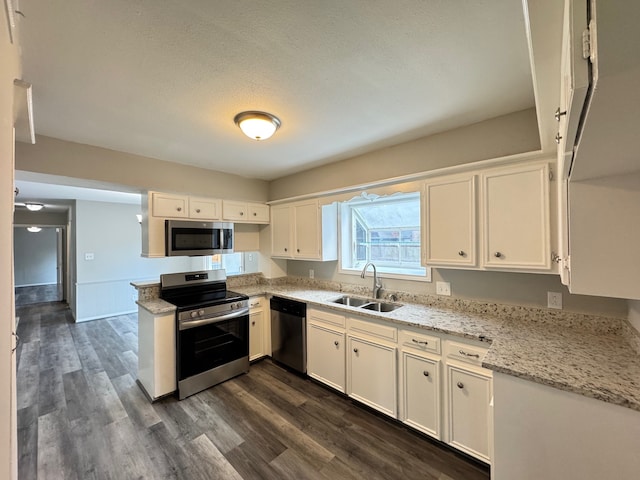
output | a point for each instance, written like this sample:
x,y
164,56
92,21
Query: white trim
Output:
x,y
392,276
36,284
481,164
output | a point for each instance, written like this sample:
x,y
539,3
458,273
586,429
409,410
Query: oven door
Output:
x,y
211,344
188,238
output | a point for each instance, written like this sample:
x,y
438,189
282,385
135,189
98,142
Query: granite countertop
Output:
x,y
596,361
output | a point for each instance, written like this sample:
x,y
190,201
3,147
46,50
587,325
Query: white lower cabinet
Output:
x,y
258,328
469,392
420,392
371,374
326,356
156,353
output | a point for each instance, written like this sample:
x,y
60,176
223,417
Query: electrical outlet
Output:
x,y
89,256
554,300
311,273
443,288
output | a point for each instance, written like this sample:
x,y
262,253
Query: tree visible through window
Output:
x,y
382,230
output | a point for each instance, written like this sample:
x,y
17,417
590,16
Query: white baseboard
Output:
x,y
102,317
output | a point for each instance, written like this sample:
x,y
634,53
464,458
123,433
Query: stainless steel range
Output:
x,y
212,329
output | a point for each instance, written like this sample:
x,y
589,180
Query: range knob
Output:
x,y
200,312
194,314
233,306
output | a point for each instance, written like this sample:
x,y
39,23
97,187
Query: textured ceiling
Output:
x,y
164,79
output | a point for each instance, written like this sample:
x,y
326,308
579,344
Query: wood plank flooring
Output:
x,y
82,416
37,294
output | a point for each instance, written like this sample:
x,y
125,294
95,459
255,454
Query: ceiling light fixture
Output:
x,y
257,125
34,207
34,229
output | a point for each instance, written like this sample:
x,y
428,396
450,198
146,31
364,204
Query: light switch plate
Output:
x,y
89,256
443,288
311,273
554,300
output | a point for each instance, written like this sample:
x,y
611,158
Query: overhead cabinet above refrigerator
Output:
x,y
599,148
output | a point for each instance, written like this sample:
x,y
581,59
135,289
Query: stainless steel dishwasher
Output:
x,y
289,333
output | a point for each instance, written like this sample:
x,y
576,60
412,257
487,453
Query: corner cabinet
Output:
x,y
502,212
304,230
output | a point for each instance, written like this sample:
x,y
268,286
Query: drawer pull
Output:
x,y
253,323
197,210
355,350
255,214
424,342
461,253
241,214
497,254
460,385
425,373
179,209
462,352
336,343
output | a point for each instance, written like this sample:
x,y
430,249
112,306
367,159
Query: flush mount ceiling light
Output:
x,y
34,229
257,125
34,207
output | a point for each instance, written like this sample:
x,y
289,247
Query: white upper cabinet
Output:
x,y
506,219
304,230
450,221
245,212
169,206
515,217
205,208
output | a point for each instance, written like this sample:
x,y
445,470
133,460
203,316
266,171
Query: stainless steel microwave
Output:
x,y
190,238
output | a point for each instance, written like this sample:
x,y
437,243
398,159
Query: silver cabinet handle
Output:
x,y
462,352
558,137
425,373
424,342
336,343
461,253
355,350
558,114
460,385
497,254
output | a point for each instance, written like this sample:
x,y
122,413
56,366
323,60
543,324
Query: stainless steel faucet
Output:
x,y
377,286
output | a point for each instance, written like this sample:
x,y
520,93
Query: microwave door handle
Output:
x,y
222,239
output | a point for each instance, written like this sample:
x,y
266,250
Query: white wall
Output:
x,y
10,69
111,232
35,256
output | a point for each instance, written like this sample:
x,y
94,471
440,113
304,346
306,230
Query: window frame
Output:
x,y
349,225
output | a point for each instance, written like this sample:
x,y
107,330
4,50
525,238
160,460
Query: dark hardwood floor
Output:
x,y
82,416
37,294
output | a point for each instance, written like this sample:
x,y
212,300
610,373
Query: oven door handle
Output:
x,y
206,321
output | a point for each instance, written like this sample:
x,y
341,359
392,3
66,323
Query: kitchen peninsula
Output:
x,y
584,357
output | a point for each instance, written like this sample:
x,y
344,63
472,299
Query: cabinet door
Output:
x,y
306,230
169,206
205,208
421,393
326,356
371,374
234,211
516,218
281,231
256,334
258,213
469,398
449,206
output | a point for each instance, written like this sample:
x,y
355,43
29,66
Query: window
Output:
x,y
382,230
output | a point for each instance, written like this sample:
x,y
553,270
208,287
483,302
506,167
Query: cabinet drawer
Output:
x,y
419,341
466,353
320,316
257,302
373,329
204,208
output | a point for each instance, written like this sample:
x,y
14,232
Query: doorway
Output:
x,y
39,264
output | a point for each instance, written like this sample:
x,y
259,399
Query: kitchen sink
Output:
x,y
352,301
381,306
367,304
